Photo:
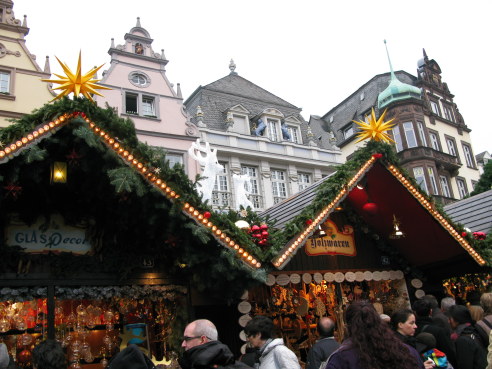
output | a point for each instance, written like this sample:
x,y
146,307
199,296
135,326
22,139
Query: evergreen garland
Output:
x,y
128,219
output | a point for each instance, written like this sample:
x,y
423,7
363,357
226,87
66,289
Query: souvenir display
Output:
x,y
295,307
92,330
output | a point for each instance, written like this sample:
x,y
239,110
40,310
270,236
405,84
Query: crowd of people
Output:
x,y
430,335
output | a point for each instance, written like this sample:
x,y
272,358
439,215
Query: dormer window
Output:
x,y
348,132
292,125
237,116
273,126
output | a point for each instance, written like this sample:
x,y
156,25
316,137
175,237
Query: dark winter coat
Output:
x,y
443,341
346,357
469,353
131,358
212,354
321,351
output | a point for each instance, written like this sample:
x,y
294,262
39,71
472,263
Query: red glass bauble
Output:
x,y
263,227
463,234
255,228
24,357
309,222
207,215
370,208
264,234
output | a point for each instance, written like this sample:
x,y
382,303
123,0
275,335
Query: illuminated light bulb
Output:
x,y
227,239
258,264
30,137
186,205
218,232
245,254
96,129
135,161
46,127
253,261
111,141
231,243
139,165
214,228
144,170
87,120
204,221
2,154
236,247
24,140
159,181
18,143
51,124
281,260
163,185
200,216
7,150
196,212
168,189
130,157
62,118
125,153
13,147
240,251
102,133
116,145
191,209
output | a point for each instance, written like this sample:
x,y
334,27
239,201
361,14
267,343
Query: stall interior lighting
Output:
x,y
44,130
291,248
427,205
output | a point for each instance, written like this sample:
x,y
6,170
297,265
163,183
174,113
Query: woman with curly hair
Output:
x,y
371,344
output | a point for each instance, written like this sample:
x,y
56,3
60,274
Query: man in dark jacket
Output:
x,y
423,313
131,358
325,346
203,350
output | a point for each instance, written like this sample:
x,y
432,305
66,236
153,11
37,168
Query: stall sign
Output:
x,y
333,242
40,237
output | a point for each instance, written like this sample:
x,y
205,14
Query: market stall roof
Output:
x,y
431,243
473,212
49,123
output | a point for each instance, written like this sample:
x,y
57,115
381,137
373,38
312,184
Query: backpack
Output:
x,y
475,336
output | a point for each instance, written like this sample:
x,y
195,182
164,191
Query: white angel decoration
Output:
x,y
207,158
242,186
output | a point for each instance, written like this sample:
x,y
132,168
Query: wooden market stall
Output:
x,y
372,236
101,240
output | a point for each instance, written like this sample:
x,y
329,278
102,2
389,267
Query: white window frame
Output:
x,y
148,106
174,158
445,186
434,141
419,175
423,139
273,129
410,134
5,79
221,194
255,194
432,178
304,180
279,185
435,107
468,155
461,184
451,147
142,106
398,140
348,132
448,113
295,135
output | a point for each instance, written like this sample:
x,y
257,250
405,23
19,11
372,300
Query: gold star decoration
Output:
x,y
375,129
77,82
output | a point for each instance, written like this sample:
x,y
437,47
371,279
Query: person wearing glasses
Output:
x,y
204,350
273,354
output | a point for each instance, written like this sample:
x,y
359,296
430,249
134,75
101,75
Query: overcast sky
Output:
x,y
310,53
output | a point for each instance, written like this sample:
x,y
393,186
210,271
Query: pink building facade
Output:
x,y
142,92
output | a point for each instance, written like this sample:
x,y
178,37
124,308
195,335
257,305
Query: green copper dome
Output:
x,y
396,89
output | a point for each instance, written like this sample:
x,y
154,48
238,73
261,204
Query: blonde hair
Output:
x,y
486,303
